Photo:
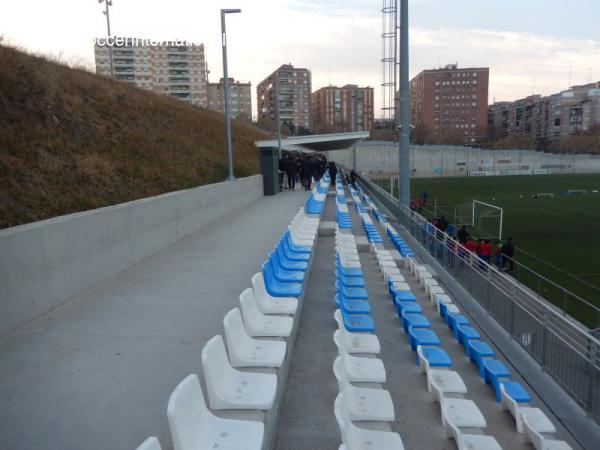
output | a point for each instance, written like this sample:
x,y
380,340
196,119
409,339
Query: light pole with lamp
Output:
x,y
107,5
230,176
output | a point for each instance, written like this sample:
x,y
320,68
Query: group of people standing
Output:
x,y
483,249
301,168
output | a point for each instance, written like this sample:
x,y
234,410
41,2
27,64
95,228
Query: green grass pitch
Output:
x,y
563,230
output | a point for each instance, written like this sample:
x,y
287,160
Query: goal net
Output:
x,y
487,220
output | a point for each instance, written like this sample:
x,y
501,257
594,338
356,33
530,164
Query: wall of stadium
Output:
x,y
378,158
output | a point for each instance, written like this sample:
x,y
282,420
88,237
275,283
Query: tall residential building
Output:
x,y
345,109
293,97
451,99
547,118
240,98
167,67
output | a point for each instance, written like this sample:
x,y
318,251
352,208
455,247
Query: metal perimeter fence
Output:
x,y
571,303
564,348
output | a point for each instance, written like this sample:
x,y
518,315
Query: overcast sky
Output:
x,y
529,45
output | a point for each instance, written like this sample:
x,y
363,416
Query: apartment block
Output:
x,y
451,99
289,88
345,109
547,118
240,98
169,68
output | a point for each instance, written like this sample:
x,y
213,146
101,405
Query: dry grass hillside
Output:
x,y
72,141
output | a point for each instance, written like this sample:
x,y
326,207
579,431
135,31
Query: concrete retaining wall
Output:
x,y
45,263
377,157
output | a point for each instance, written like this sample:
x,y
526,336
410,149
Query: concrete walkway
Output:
x,y
97,373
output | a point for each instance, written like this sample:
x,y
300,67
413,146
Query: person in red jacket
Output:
x,y
485,250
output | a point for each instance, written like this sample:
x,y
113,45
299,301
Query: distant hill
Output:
x,y
72,141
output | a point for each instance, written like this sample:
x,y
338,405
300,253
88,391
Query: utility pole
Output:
x,y
107,5
230,176
404,141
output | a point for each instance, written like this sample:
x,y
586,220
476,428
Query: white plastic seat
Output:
x,y
426,277
245,351
268,304
440,298
399,286
258,324
355,438
441,381
356,342
360,370
472,441
349,264
463,413
451,308
387,271
538,421
150,444
193,427
538,440
433,289
396,277
229,388
368,404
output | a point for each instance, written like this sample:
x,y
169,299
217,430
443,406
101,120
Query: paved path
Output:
x,y
97,373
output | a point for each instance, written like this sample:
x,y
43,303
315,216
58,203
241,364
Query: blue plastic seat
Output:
x,y
516,391
348,271
290,254
404,296
288,264
454,321
493,372
467,333
414,320
444,310
436,356
477,350
353,306
285,276
358,322
409,307
350,281
422,336
352,293
277,288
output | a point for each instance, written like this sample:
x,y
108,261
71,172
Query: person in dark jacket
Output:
x,y
463,234
307,171
282,165
332,172
290,170
353,178
508,252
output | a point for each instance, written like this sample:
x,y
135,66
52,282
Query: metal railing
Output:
x,y
571,303
564,348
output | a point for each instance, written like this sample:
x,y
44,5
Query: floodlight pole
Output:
x,y
230,176
404,141
107,4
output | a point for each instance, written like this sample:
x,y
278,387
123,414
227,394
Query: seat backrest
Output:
x,y
258,286
340,375
337,339
235,333
337,315
249,307
422,356
268,271
216,367
536,438
150,444
507,401
187,413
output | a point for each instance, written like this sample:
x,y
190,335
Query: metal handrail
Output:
x,y
564,348
565,293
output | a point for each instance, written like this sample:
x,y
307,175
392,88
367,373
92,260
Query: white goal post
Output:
x,y
493,207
